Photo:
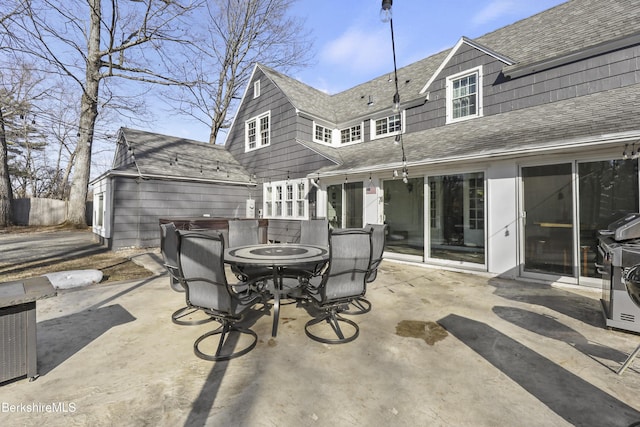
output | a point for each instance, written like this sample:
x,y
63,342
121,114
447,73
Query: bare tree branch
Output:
x,y
236,35
112,39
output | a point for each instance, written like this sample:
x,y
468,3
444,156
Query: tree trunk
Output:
x,y
6,195
88,113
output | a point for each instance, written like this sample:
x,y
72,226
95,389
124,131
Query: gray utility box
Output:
x,y
18,355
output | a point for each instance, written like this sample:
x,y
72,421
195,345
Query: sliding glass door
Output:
x,y
345,205
404,215
548,219
457,217
608,190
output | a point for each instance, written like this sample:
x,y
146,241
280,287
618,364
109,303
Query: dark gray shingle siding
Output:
x,y
138,205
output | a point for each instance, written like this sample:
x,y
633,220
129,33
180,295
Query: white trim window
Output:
x,y
285,199
257,131
464,95
322,134
386,126
351,134
268,201
256,89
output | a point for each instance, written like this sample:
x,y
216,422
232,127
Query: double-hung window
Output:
x,y
285,199
464,95
257,131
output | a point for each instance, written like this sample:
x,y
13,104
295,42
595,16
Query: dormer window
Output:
x,y
386,126
351,134
464,95
322,134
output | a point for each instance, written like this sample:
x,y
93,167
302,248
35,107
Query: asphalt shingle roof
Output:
x,y
569,27
168,156
557,32
587,117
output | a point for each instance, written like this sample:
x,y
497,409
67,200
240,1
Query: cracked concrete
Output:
x,y
508,353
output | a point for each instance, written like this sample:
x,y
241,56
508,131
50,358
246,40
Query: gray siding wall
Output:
x,y
284,156
138,205
609,71
122,156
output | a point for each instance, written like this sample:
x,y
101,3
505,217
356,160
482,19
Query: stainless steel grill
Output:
x,y
619,250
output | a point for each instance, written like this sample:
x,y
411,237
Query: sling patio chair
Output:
x,y
341,283
201,265
312,232
169,251
242,233
378,238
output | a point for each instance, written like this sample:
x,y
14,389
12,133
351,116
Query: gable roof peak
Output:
x,y
465,41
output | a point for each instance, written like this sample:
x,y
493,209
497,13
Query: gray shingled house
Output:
x,y
513,146
518,146
155,176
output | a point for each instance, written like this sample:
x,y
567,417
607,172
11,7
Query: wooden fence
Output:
x,y
41,211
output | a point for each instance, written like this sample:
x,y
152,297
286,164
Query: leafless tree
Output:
x,y
6,195
233,36
91,41
38,119
7,12
19,88
206,47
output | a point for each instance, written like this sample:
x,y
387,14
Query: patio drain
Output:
x,y
430,332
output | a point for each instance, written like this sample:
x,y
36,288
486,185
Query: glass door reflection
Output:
x,y
548,219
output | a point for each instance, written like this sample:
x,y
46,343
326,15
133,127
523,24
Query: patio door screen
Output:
x,y
404,215
345,205
548,219
457,217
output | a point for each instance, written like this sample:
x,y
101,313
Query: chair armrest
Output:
x,y
242,296
173,272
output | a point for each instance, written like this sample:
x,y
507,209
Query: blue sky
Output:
x,y
352,45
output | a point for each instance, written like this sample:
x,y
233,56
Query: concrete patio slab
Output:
x,y
439,348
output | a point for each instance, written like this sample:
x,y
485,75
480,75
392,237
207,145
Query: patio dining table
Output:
x,y
278,257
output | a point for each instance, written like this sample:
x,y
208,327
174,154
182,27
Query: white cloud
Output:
x,y
494,10
357,51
